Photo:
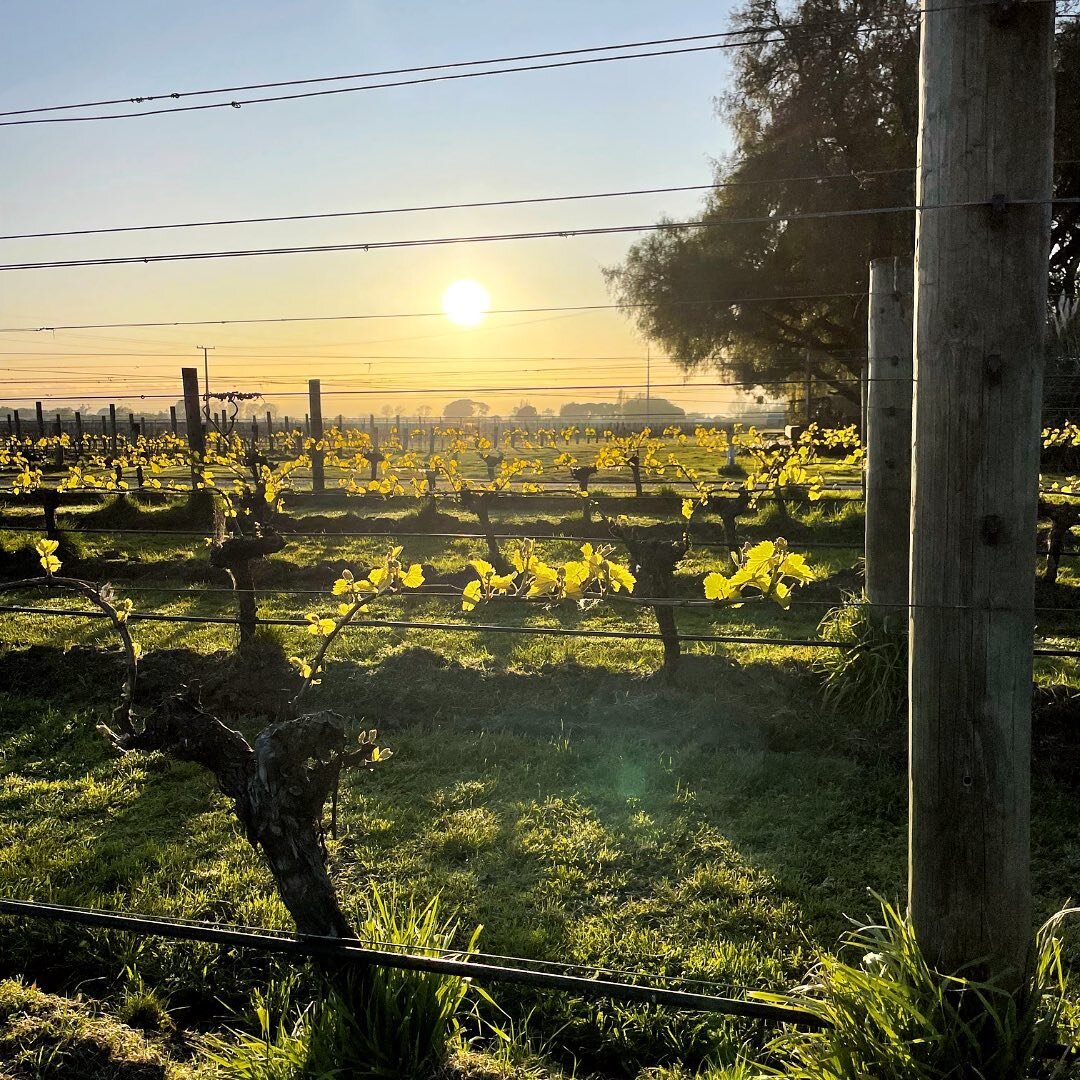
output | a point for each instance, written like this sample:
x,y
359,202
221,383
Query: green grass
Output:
x,y
552,790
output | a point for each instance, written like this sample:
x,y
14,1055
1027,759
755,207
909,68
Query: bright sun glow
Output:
x,y
466,302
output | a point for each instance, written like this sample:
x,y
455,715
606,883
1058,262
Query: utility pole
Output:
x,y
648,384
984,181
206,350
808,388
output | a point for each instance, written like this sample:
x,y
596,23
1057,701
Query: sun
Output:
x,y
466,302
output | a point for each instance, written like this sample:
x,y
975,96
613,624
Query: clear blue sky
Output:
x,y
643,123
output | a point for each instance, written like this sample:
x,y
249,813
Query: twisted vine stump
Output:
x,y
1063,519
479,503
729,508
492,461
654,564
236,555
583,474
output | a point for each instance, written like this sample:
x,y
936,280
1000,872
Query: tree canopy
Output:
x,y
833,100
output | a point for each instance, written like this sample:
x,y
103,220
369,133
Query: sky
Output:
x,y
641,123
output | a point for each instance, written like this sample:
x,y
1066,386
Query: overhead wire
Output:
x,y
748,37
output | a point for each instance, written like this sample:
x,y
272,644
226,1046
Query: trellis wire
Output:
x,y
479,628
313,946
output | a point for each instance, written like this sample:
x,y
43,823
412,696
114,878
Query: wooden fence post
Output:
x,y
112,427
78,432
269,431
888,437
172,419
984,176
40,420
18,423
318,472
196,437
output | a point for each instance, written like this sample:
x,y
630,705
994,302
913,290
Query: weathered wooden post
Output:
x,y
269,431
172,419
984,179
318,473
40,420
196,437
112,428
18,423
78,433
888,436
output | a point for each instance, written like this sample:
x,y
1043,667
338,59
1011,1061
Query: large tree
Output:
x,y
825,90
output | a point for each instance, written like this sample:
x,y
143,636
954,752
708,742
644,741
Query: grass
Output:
x,y
553,791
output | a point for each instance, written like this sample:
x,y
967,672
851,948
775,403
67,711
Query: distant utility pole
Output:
x,y
984,183
648,383
808,389
206,350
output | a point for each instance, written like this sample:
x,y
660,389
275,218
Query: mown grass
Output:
x,y
553,790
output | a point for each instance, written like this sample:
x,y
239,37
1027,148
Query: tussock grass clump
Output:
x,y
867,681
382,1024
892,1016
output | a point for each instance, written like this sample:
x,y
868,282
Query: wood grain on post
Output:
x,y
888,437
196,438
318,472
985,142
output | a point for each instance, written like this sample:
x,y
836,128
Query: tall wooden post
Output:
x,y
196,437
269,431
112,428
172,419
888,436
18,423
78,432
985,160
40,420
318,473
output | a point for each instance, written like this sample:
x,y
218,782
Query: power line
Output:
x,y
543,234
729,301
443,241
533,200
367,74
385,85
749,36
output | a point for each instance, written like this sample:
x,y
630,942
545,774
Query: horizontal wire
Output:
x,y
418,314
752,37
449,951
440,592
483,628
424,80
395,533
530,201
543,234
138,100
